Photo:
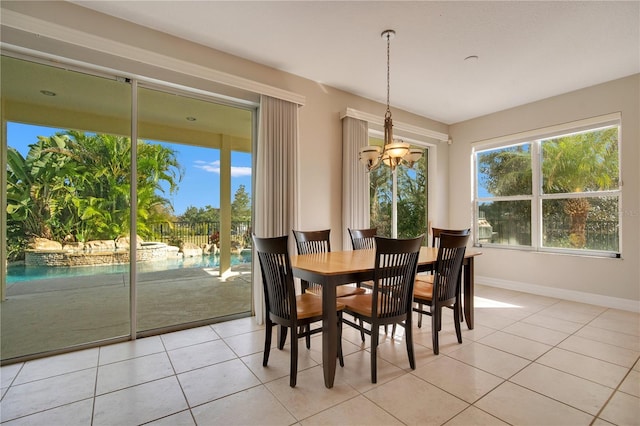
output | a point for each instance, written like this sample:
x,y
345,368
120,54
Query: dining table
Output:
x,y
331,269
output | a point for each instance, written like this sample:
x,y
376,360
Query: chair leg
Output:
x,y
361,330
435,327
374,352
456,320
408,335
420,315
293,372
393,330
307,329
267,342
282,336
340,357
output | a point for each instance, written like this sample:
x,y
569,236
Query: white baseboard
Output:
x,y
560,293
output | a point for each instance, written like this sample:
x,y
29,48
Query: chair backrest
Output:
x,y
435,232
277,277
395,271
309,242
362,239
448,266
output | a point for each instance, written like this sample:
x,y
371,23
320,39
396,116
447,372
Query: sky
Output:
x,y
200,185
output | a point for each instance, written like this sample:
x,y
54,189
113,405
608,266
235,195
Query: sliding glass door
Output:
x,y
67,208
71,206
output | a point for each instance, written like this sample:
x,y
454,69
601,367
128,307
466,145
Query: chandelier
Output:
x,y
393,153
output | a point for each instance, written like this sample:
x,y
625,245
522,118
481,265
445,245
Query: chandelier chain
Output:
x,y
391,153
388,73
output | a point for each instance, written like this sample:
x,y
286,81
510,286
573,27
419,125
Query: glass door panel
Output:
x,y
187,247
67,207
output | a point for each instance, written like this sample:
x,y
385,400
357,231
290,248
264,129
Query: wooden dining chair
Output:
x,y
390,302
435,242
363,239
435,234
444,289
308,242
283,307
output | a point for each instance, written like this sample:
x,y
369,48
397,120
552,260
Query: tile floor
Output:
x,y
530,360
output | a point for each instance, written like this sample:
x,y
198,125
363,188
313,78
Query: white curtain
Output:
x,y
275,180
355,179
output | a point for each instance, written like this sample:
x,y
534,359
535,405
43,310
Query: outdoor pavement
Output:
x,y
51,314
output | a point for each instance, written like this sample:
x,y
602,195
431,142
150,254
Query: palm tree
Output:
x,y
580,163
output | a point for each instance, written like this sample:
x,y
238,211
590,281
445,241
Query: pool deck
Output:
x,y
51,314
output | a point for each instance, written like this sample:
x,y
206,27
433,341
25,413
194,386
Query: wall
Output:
x,y
320,151
603,281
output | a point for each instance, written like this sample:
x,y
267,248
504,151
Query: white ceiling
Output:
x,y
527,50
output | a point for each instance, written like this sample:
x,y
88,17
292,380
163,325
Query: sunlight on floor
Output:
x,y
481,302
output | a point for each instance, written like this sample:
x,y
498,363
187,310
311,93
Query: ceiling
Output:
x,y
525,51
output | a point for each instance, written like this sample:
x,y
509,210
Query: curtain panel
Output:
x,y
276,199
355,180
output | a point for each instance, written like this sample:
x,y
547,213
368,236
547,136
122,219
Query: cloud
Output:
x,y
214,167
240,171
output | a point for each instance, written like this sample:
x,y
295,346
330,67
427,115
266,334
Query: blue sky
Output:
x,y
200,185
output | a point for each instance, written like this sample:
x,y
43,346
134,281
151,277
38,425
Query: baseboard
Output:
x,y
575,296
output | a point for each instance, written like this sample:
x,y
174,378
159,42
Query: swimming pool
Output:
x,y
22,273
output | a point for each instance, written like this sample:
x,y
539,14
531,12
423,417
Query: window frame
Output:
x,y
535,138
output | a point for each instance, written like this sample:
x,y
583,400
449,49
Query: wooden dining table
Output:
x,y
335,268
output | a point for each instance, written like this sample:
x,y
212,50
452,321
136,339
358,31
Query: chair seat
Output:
x,y
367,284
361,304
341,291
309,306
423,287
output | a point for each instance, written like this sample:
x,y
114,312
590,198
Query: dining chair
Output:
x,y
444,289
308,242
435,242
283,307
435,234
363,239
390,302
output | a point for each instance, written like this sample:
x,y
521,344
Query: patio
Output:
x,y
56,313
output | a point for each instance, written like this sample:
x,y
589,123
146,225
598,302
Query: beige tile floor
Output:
x,y
530,360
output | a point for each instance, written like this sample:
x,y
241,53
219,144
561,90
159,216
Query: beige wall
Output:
x,y
578,277
320,151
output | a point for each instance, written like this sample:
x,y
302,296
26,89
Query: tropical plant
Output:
x,y
76,186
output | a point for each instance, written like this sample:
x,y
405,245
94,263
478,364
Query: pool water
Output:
x,y
22,273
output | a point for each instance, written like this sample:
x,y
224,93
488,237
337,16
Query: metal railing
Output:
x,y
201,233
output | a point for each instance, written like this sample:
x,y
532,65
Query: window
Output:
x,y
411,197
555,192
